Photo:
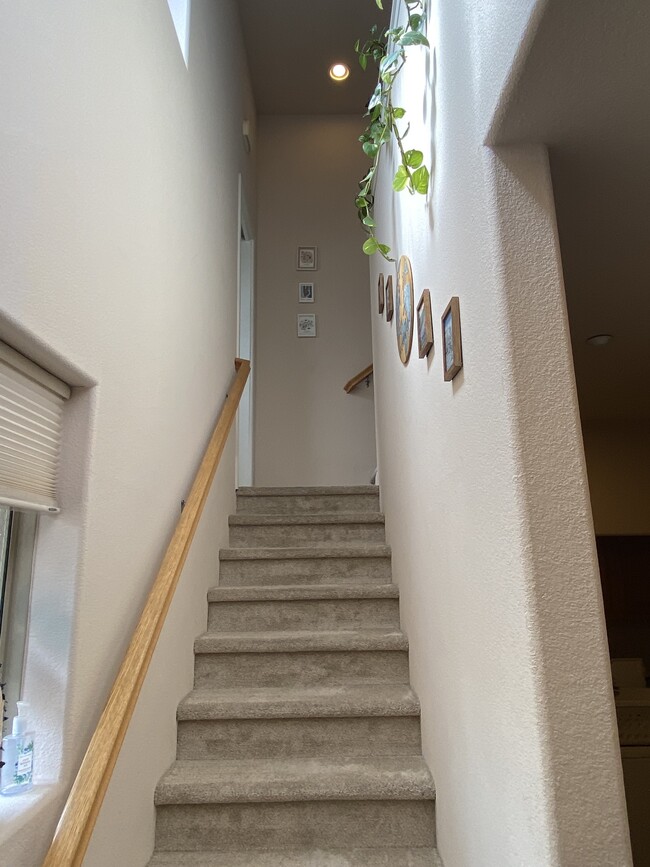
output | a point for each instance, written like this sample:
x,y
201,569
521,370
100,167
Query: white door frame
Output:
x,y
245,338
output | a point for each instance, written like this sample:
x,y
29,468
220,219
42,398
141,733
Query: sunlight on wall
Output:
x,y
181,11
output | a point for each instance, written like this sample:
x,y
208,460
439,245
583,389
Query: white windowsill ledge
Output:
x,y
18,810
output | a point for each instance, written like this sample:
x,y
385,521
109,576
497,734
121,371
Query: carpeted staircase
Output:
x,y
300,743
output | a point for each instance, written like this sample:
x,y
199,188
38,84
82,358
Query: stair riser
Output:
x,y
237,827
326,570
275,738
216,670
307,505
420,857
299,535
316,614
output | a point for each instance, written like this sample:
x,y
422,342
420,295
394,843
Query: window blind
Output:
x,y
31,410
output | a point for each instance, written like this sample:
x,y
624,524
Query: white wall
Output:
x,y
119,234
489,518
618,463
307,430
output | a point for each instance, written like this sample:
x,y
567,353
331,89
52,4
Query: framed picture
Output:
x,y
389,298
306,293
425,324
452,348
380,294
307,258
405,304
306,325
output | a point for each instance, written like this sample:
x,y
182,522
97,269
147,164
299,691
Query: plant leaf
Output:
x,y
398,113
401,178
363,61
421,180
378,2
370,148
413,159
413,38
370,246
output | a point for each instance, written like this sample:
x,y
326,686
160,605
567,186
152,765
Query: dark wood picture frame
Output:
x,y
452,346
380,294
424,324
390,306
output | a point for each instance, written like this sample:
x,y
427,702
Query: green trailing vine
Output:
x,y
388,51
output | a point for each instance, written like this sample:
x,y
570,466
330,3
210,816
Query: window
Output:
x,y
180,10
31,414
17,539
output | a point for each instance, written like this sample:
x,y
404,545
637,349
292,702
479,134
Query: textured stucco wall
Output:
x,y
118,248
484,485
308,431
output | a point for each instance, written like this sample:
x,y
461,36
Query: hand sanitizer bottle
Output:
x,y
18,755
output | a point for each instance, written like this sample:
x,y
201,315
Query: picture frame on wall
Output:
x,y
390,308
425,324
452,347
405,308
380,294
306,293
307,259
306,325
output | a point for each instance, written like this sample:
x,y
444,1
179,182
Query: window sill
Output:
x,y
18,810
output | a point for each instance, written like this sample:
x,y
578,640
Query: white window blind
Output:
x,y
31,410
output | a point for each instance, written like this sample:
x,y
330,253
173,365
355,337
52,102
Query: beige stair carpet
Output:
x,y
300,743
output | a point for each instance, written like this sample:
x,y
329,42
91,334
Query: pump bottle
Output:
x,y
18,755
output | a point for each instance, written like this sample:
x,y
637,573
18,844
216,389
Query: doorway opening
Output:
x,y
245,340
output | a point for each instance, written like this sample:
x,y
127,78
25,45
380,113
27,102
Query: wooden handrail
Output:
x,y
366,373
85,799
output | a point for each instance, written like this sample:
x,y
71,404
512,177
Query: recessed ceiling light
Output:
x,y
599,339
339,72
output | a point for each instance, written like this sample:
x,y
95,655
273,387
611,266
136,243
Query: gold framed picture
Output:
x,y
404,303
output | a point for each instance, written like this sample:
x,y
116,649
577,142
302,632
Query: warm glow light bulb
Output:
x,y
339,72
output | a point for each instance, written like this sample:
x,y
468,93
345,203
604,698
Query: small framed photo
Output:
x,y
425,325
390,308
306,325
380,294
452,348
306,293
307,259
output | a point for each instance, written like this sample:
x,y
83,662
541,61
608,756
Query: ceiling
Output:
x,y
292,43
584,90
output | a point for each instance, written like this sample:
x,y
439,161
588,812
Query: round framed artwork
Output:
x,y
404,304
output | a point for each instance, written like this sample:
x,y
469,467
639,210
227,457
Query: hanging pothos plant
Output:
x,y
388,51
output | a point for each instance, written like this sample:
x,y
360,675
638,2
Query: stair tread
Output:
x,y
276,520
361,549
289,592
310,779
300,702
296,641
301,858
319,491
